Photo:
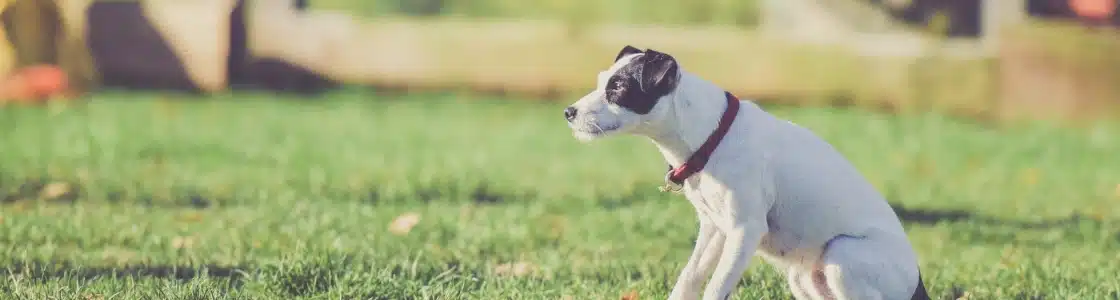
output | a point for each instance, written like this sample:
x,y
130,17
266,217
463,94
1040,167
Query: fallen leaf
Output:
x,y
1100,213
514,269
191,217
1030,176
165,107
632,295
82,174
404,223
973,164
56,107
356,183
466,211
557,227
54,190
1005,259
899,159
925,167
1117,190
964,296
434,248
182,242
19,206
117,255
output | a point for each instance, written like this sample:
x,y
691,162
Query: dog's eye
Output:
x,y
614,90
617,89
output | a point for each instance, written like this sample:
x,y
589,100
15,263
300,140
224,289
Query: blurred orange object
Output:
x,y
34,84
1093,9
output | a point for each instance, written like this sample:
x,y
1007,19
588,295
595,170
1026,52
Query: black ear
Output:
x,y
627,51
659,73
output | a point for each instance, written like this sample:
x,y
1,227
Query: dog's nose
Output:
x,y
570,113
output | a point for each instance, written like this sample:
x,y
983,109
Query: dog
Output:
x,y
772,188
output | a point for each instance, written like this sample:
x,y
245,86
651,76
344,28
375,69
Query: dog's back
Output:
x,y
813,178
820,196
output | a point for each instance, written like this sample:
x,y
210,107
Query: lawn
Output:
x,y
742,13
254,196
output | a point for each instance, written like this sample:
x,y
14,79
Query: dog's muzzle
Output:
x,y
570,113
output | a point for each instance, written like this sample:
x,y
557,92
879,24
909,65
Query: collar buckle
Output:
x,y
670,186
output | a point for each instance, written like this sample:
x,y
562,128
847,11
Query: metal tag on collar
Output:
x,y
670,186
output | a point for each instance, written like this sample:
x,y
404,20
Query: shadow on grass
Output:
x,y
476,191
932,217
62,191
1074,229
959,292
35,188
42,271
479,192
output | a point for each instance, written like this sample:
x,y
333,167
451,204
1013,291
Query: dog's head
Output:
x,y
632,93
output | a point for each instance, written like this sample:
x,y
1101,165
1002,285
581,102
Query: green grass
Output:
x,y
252,196
744,13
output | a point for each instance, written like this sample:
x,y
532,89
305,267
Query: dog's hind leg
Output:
x,y
800,280
872,268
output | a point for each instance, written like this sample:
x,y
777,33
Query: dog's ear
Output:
x,y
627,51
659,72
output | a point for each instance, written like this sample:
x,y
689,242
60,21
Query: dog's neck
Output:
x,y
697,106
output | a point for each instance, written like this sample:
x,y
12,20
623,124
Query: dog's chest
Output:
x,y
710,200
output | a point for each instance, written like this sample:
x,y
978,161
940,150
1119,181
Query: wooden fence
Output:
x,y
549,58
1043,69
1059,70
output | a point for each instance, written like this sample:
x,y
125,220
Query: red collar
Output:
x,y
700,157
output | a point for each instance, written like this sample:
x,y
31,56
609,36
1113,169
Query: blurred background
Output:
x,y
393,149
975,57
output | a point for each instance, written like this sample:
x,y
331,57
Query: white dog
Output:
x,y
772,187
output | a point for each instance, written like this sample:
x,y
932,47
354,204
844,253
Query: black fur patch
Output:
x,y
627,51
639,84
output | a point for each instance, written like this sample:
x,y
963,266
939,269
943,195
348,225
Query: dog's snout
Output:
x,y
570,113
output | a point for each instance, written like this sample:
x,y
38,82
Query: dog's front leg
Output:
x,y
738,248
709,243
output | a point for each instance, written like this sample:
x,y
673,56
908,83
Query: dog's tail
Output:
x,y
920,291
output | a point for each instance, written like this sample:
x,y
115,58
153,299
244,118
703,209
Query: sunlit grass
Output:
x,y
740,13
265,197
